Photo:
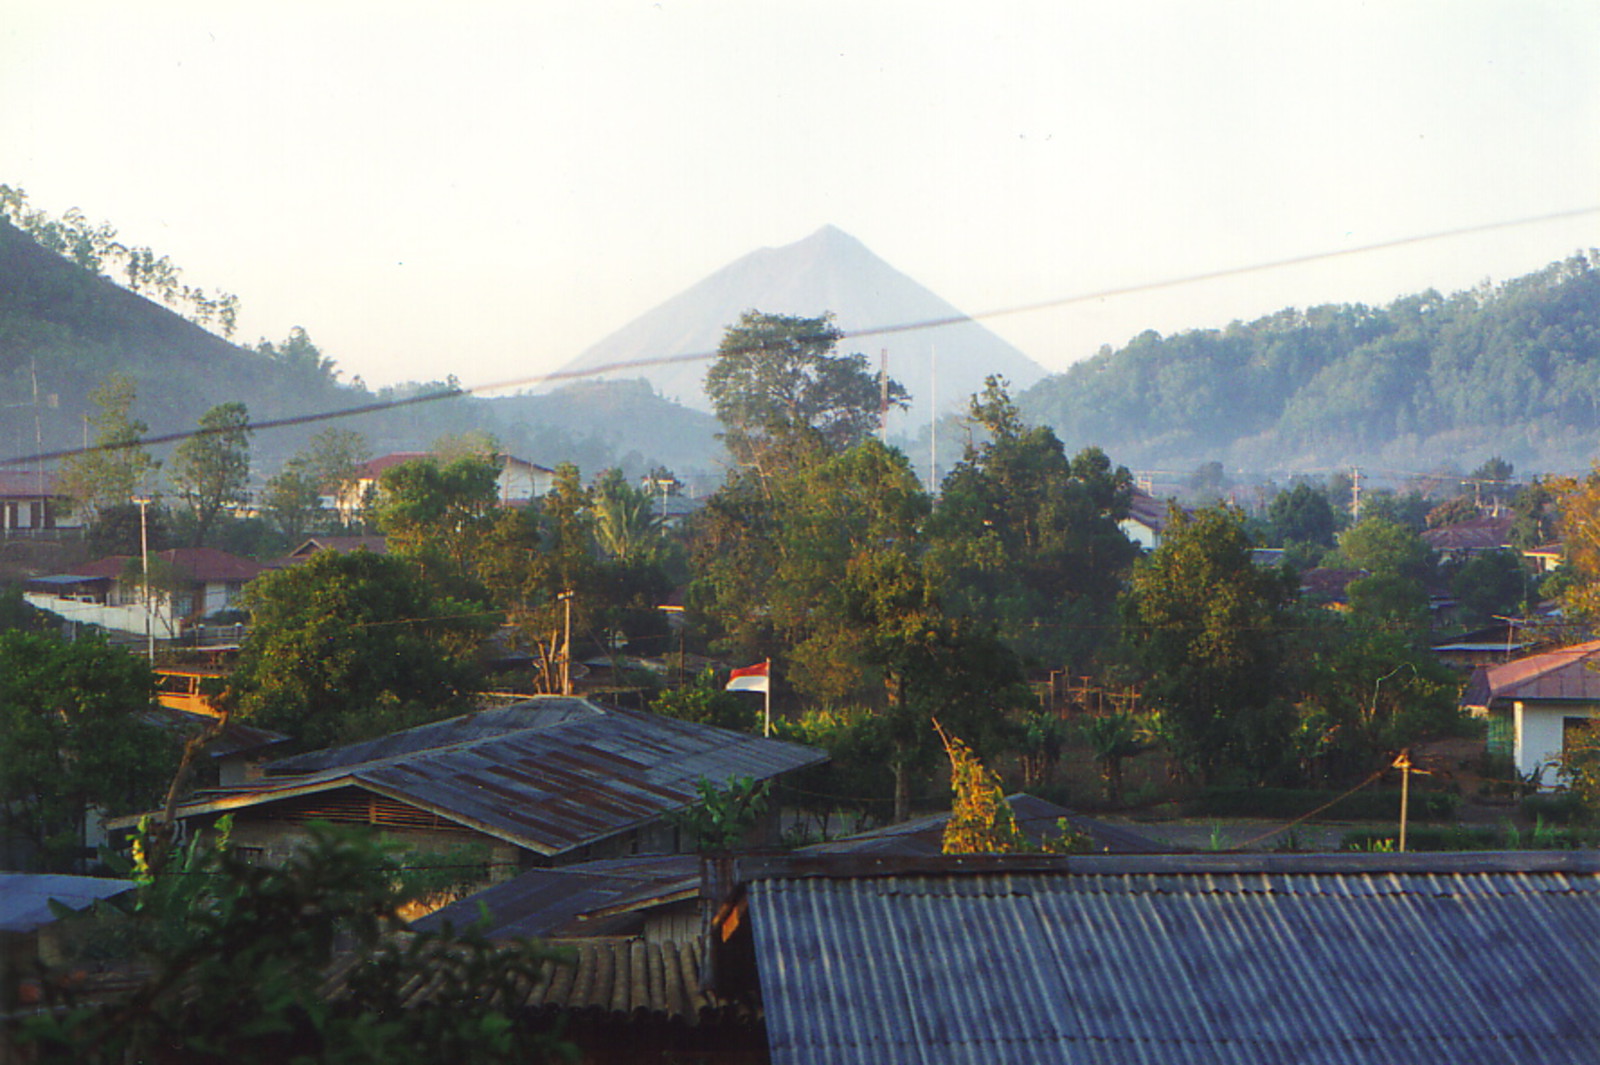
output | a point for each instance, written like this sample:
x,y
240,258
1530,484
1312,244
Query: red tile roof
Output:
x,y
1475,534
193,563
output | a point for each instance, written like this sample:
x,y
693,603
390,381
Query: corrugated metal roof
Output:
x,y
552,789
25,897
1139,959
558,901
540,712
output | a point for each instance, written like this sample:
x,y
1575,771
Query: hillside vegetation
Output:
x,y
65,329
1512,370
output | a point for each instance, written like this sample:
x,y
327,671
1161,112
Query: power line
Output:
x,y
943,321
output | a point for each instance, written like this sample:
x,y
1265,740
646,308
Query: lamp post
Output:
x,y
143,502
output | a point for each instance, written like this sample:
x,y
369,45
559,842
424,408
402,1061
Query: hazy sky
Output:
x,y
486,188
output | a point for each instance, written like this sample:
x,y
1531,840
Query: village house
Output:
x,y
1147,520
520,482
188,584
547,781
1538,706
31,506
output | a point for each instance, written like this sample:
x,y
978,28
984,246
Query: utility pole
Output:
x,y
142,502
1355,493
566,648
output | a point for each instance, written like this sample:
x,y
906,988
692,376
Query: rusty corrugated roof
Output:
x,y
1312,960
551,789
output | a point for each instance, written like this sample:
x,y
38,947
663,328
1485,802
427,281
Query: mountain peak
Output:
x,y
827,271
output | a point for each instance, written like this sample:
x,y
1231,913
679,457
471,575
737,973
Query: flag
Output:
x,y
751,678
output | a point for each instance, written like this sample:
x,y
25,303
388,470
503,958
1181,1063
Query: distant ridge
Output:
x,y
827,271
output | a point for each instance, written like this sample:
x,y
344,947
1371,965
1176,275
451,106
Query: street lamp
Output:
x,y
142,502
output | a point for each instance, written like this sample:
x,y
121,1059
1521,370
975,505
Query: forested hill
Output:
x,y
1429,379
67,329
64,329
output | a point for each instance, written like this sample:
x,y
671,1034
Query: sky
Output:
x,y
484,189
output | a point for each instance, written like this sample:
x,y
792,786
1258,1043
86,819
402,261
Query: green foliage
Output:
x,y
722,819
94,247
117,467
73,735
212,469
1492,583
238,956
1027,541
982,821
853,780
16,614
705,702
293,499
1302,515
344,647
776,378
627,525
1520,362
1206,630
1110,739
437,513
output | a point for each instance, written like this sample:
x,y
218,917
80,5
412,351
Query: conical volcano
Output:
x,y
827,271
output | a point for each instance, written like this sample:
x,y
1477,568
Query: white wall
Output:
x,y
1539,727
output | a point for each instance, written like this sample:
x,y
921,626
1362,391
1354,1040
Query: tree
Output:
x,y
1494,583
775,377
1579,505
1028,541
345,647
210,915
212,468
1205,626
293,499
73,737
333,461
438,513
1303,515
626,525
982,821
115,467
1393,593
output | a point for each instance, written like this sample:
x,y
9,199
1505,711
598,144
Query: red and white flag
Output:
x,y
751,678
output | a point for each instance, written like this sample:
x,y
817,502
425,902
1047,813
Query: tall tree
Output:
x,y
438,513
212,468
344,647
292,499
116,466
1205,628
73,736
776,377
1028,540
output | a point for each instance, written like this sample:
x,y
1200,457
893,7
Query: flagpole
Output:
x,y
766,717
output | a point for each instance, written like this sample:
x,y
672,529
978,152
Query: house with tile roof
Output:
x,y
1539,705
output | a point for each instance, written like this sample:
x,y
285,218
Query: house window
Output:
x,y
1579,735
